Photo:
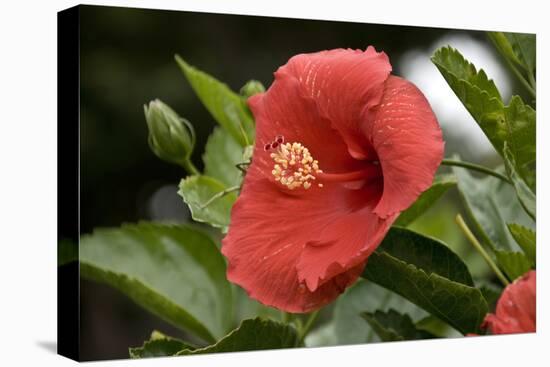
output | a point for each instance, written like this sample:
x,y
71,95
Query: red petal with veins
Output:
x,y
406,136
298,249
345,240
268,232
346,85
516,308
286,110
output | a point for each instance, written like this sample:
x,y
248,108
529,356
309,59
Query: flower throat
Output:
x,y
295,167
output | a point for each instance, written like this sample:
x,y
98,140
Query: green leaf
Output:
x,y
519,48
436,327
491,295
525,195
222,154
247,308
463,78
159,345
520,137
393,326
514,124
67,252
514,264
524,46
429,274
491,203
228,108
207,200
503,45
526,239
254,334
363,295
425,253
175,272
426,199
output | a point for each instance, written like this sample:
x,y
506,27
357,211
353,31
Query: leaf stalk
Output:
x,y
307,326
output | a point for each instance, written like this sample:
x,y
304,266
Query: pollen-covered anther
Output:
x,y
294,166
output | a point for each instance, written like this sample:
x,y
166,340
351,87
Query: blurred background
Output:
x,y
127,59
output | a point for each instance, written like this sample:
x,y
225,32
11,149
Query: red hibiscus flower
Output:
x,y
516,308
342,147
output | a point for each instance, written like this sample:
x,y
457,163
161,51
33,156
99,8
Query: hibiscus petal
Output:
x,y
516,308
409,144
346,85
286,110
345,242
268,232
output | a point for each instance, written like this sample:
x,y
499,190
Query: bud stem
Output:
x,y
189,167
473,240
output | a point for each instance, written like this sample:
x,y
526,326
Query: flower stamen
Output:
x,y
294,166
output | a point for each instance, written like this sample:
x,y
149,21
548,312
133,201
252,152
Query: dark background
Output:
x,y
127,59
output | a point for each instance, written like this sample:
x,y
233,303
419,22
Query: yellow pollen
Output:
x,y
294,166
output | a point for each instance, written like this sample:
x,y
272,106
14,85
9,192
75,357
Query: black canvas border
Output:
x,y
68,167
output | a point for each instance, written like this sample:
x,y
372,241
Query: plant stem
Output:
x,y
473,240
475,167
532,81
525,83
189,167
309,323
